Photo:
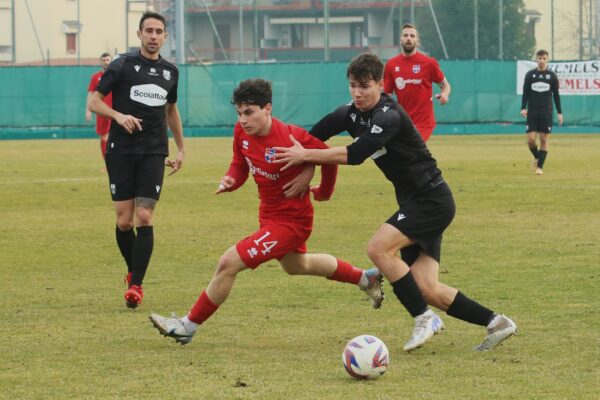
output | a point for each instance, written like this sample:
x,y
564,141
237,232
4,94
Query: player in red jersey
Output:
x,y
285,221
410,76
102,123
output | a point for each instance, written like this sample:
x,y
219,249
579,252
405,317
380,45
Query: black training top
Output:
x,y
142,88
539,88
387,135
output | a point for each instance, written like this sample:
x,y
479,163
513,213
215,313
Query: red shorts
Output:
x,y
272,240
102,125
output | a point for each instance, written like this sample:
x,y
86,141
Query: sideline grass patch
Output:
x,y
521,244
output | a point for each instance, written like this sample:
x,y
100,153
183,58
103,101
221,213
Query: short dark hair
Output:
x,y
408,25
541,52
253,92
365,67
105,55
152,14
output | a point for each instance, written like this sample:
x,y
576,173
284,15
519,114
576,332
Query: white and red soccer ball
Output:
x,y
366,357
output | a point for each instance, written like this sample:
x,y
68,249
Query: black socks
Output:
x,y
125,241
409,294
534,151
469,310
542,157
142,251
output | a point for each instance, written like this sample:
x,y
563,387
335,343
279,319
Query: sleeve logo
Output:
x,y
376,129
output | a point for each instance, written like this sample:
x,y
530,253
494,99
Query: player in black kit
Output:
x,y
540,86
144,90
383,131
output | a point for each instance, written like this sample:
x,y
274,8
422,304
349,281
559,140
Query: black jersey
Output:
x,y
387,135
539,88
142,88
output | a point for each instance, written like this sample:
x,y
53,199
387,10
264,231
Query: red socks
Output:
x,y
202,310
346,272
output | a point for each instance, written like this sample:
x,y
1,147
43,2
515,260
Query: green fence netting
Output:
x,y
482,92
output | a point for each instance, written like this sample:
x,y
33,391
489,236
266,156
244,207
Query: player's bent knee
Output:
x,y
229,264
125,225
377,253
144,216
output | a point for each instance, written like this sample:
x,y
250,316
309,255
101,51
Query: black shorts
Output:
x,y
539,124
135,175
423,219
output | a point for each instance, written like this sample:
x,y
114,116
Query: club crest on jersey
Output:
x,y
245,144
396,69
167,74
416,68
270,154
400,83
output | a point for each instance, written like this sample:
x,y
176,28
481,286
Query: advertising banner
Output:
x,y
576,78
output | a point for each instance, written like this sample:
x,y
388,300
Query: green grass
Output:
x,y
524,245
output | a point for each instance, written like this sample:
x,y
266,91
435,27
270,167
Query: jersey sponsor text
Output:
x,y
150,94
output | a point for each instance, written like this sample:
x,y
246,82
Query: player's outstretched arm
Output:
x,y
297,154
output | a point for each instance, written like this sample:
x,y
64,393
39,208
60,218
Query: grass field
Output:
x,y
524,245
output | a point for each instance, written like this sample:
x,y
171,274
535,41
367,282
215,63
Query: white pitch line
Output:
x,y
57,180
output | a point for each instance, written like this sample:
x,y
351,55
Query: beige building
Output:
x,y
67,32
566,41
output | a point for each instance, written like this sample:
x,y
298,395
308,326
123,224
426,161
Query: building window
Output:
x,y
71,42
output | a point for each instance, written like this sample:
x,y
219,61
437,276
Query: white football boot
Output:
x,y
426,325
500,329
172,327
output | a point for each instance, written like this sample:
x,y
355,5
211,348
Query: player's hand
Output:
x,y
524,113
226,183
177,164
442,98
129,123
317,195
300,184
560,119
290,155
88,115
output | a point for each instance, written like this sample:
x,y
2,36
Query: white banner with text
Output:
x,y
576,78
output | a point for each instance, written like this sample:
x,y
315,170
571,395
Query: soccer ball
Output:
x,y
366,357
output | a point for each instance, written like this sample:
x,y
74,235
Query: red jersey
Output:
x,y
102,123
410,78
255,154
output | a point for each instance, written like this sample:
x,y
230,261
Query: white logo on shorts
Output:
x,y
113,188
401,217
157,188
252,252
